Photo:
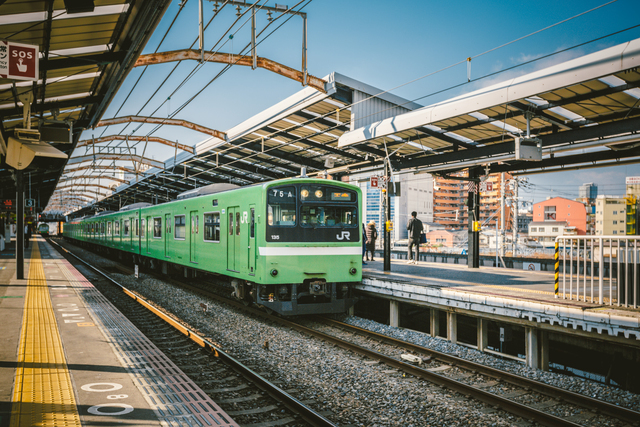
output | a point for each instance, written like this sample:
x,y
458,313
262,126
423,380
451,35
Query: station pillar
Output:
x,y
532,348
544,350
394,313
452,327
483,333
434,322
473,206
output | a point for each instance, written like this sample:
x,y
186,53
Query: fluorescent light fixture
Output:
x,y
79,50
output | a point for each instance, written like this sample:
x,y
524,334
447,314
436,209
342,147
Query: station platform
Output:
x,y
521,296
68,357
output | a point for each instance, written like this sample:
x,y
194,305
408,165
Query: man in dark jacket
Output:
x,y
415,230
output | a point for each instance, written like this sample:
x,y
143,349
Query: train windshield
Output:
x,y
312,213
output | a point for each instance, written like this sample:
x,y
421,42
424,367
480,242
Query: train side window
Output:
x,y
231,224
116,228
136,228
125,227
237,223
142,226
212,227
109,228
102,228
157,228
180,227
252,224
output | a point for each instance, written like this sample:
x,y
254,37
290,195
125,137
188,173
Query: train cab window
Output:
x,y
157,228
116,228
125,227
179,227
327,216
109,228
212,227
142,227
281,206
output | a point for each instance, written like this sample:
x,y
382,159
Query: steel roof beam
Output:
x,y
231,59
159,140
112,178
279,154
84,185
304,140
161,121
96,59
101,167
123,157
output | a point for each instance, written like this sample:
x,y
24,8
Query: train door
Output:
x,y
252,240
233,215
195,231
167,234
147,234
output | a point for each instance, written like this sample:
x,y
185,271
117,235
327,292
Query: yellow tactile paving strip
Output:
x,y
43,394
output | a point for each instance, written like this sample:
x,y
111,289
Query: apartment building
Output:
x,y
611,213
573,213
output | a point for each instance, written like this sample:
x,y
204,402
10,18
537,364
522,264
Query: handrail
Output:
x,y
623,256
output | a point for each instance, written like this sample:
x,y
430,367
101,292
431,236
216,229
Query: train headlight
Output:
x,y
304,193
283,291
353,270
274,272
318,194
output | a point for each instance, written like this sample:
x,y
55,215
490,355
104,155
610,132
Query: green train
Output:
x,y
293,246
43,229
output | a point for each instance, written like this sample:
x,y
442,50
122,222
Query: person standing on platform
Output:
x,y
364,243
415,230
27,235
372,235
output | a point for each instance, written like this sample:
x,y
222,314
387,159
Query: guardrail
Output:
x,y
615,260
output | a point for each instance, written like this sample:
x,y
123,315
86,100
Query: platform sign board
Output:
x,y
18,61
374,182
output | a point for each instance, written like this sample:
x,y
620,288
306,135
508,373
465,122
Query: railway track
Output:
x,y
545,404
238,388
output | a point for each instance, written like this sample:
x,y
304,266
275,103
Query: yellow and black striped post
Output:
x,y
557,270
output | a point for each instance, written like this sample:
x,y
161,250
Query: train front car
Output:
x,y
311,254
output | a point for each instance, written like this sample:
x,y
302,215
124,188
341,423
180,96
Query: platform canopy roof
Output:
x,y
86,48
584,111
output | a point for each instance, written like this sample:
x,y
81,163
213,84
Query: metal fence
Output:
x,y
599,269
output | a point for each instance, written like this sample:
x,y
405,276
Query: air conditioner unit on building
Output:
x,y
529,149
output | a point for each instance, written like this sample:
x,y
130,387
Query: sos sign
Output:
x,y
18,61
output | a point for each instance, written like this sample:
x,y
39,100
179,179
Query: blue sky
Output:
x,y
384,44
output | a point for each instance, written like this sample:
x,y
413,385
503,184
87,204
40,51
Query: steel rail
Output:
x,y
582,400
293,404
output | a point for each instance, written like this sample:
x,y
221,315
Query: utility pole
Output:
x,y
473,205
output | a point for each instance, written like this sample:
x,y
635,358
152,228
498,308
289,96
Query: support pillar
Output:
x,y
473,206
532,348
434,322
19,225
544,350
452,327
394,313
483,333
352,310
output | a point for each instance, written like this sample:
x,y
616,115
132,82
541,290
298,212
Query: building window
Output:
x,y
549,213
615,231
554,229
615,222
615,212
541,229
157,227
533,229
212,227
180,227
